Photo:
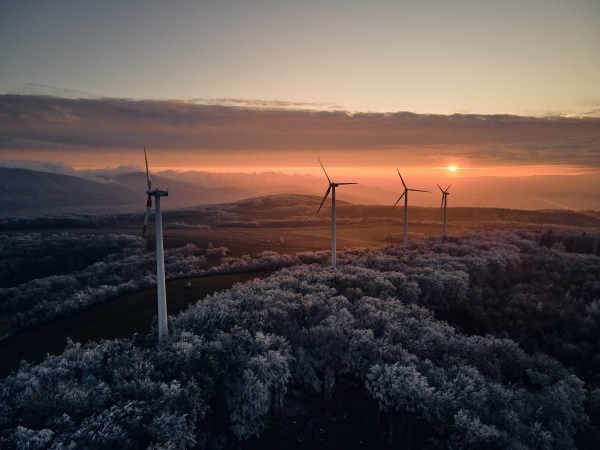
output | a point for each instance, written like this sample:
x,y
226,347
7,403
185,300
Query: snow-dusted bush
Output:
x,y
184,226
399,237
267,260
239,224
213,252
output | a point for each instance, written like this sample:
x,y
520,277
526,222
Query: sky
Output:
x,y
524,57
494,88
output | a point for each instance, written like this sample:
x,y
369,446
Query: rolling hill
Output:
x,y
24,191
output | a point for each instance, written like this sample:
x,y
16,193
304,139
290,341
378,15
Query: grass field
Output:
x,y
113,319
5,322
251,241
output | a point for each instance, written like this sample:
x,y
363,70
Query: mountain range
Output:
x,y
26,192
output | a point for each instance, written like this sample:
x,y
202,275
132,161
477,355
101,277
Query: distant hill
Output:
x,y
183,193
24,191
189,193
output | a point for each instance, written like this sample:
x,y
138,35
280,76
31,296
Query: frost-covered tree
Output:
x,y
231,358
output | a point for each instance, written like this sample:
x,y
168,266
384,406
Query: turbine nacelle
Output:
x,y
339,184
157,192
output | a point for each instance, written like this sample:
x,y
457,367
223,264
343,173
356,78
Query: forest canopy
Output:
x,y
491,338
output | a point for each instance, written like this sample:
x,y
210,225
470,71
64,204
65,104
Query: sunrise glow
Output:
x,y
452,168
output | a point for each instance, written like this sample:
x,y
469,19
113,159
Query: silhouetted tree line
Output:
x,y
57,221
572,241
25,257
129,269
211,214
300,210
287,205
290,222
184,226
230,359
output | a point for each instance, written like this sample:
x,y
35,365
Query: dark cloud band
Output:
x,y
80,124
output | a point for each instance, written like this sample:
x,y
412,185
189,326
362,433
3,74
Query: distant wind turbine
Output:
x,y
405,195
160,258
331,188
445,195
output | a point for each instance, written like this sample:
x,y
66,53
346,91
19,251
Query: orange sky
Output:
x,y
93,133
354,147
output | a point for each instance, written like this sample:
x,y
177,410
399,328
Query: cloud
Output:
x,y
42,89
262,103
99,175
36,122
40,166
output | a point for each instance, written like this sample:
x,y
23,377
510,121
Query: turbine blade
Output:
x,y
440,188
447,189
147,171
324,170
401,178
148,207
399,199
340,184
417,190
324,198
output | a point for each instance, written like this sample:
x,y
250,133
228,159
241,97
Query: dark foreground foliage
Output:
x,y
25,257
102,267
231,358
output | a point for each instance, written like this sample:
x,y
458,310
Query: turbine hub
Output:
x,y
157,192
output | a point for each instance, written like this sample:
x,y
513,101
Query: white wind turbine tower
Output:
x,y
332,187
445,195
405,195
160,257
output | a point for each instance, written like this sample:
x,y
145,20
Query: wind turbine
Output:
x,y
160,257
331,188
405,195
445,195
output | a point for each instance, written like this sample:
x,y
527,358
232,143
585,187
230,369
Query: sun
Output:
x,y
452,168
